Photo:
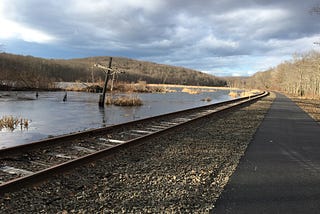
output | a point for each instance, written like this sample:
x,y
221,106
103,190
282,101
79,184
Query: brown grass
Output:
x,y
131,100
206,88
11,123
249,93
233,94
140,87
191,91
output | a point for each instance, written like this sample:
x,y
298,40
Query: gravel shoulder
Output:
x,y
182,172
311,106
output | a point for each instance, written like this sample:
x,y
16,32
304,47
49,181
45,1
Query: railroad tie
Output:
x,y
181,120
107,145
15,171
142,131
116,141
159,127
135,134
169,124
39,163
60,155
84,149
103,139
154,129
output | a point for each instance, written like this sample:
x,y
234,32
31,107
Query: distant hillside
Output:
x,y
299,76
32,72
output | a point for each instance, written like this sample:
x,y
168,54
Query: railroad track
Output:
x,y
29,164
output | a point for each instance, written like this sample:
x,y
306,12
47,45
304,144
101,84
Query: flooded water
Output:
x,y
50,116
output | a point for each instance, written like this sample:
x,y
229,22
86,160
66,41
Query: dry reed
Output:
x,y
132,100
249,93
191,91
11,123
233,94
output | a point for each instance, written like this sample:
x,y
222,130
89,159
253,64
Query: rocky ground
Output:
x,y
182,172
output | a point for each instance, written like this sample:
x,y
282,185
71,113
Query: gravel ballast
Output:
x,y
182,172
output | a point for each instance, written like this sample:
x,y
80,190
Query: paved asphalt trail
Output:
x,y
280,172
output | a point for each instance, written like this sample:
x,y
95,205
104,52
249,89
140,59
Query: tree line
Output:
x,y
37,73
299,76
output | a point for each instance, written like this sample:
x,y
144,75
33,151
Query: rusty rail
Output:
x,y
42,175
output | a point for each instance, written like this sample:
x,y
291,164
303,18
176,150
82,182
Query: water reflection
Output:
x,y
103,116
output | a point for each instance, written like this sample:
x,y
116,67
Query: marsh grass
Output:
x,y
233,94
130,100
249,93
11,123
141,87
191,91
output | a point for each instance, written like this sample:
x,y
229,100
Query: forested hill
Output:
x,y
32,72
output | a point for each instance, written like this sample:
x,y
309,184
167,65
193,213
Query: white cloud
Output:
x,y
112,9
287,46
251,23
231,37
254,15
13,30
211,42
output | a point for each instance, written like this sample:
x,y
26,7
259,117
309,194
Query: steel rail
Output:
x,y
67,137
42,175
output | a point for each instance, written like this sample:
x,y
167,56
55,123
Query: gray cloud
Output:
x,y
222,37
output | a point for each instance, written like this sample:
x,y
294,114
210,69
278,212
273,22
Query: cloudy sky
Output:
x,y
221,37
